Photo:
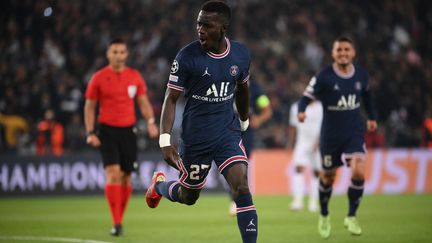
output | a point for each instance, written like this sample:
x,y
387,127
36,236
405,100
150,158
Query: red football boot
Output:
x,y
152,197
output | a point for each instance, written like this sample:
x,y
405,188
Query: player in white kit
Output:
x,y
304,137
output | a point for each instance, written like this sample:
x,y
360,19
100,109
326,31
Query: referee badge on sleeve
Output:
x,y
132,90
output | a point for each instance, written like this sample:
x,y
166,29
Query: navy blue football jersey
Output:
x,y
208,81
341,96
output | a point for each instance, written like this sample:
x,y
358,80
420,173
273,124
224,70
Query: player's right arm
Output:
x,y
304,102
175,87
309,94
170,154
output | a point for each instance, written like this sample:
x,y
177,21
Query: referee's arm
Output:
x,y
146,109
89,122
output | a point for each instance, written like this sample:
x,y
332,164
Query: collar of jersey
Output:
x,y
112,71
222,55
342,75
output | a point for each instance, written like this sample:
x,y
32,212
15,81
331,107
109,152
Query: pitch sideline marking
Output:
x,y
52,239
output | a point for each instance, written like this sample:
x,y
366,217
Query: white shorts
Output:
x,y
307,155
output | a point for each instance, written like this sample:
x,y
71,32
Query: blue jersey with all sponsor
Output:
x,y
209,81
341,96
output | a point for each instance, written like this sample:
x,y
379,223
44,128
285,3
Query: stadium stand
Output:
x,y
50,48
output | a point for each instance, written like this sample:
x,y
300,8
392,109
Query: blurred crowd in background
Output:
x,y
49,50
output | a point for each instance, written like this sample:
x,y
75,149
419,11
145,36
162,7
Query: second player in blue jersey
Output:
x,y
341,87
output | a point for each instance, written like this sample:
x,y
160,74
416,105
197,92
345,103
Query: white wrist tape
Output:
x,y
164,140
244,125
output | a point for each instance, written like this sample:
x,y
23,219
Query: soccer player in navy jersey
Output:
x,y
341,87
211,72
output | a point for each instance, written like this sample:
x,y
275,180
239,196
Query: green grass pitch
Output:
x,y
392,219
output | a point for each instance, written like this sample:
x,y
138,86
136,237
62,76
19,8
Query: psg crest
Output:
x,y
234,70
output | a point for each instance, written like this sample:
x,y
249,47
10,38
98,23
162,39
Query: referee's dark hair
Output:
x,y
219,7
117,40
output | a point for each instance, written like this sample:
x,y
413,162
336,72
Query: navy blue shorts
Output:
x,y
248,137
196,161
336,154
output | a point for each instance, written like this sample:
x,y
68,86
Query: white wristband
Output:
x,y
244,125
151,120
164,140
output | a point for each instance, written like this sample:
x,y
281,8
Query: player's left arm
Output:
x,y
146,110
242,103
367,98
242,92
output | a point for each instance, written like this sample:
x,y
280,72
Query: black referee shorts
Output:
x,y
119,146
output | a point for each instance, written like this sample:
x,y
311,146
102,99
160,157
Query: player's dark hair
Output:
x,y
219,7
116,41
345,38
